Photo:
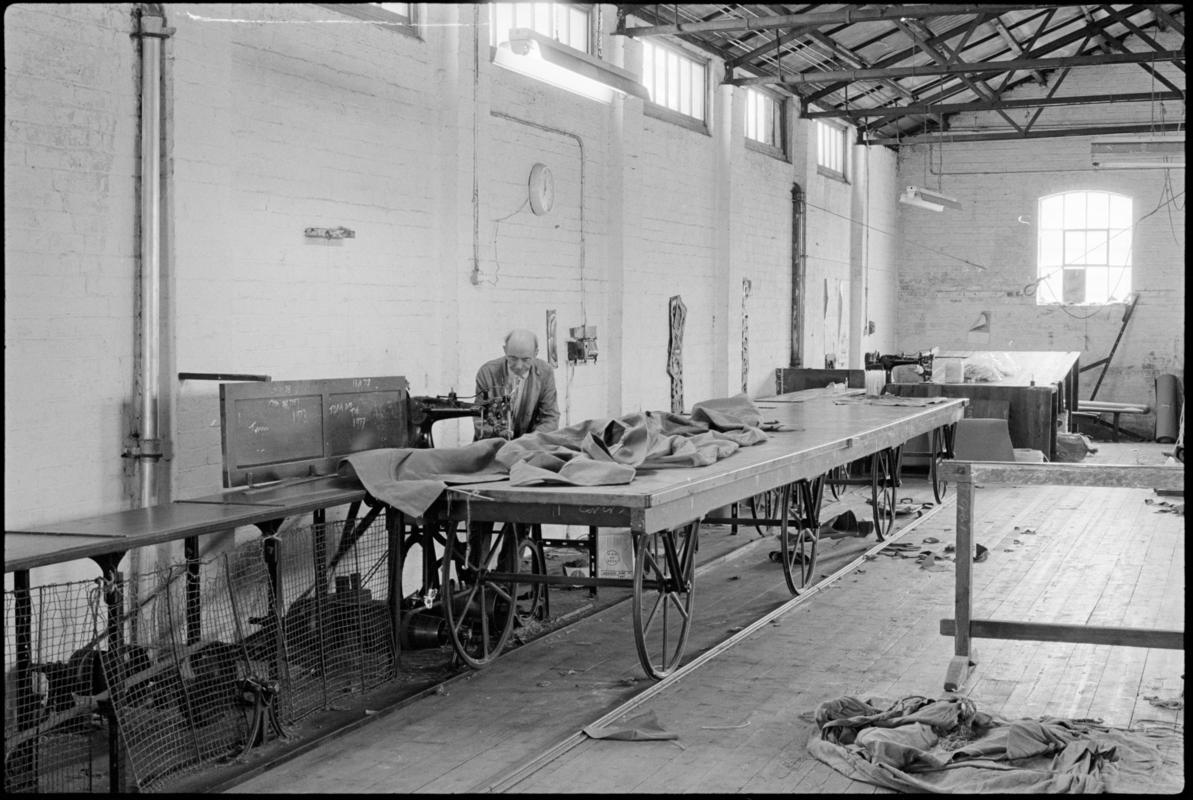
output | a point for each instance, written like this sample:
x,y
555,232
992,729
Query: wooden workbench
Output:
x,y
817,436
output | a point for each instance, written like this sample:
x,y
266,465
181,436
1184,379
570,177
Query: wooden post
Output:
x,y
964,657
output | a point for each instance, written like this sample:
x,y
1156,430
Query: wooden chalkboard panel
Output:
x,y
794,379
284,429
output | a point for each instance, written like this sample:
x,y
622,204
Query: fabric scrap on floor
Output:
x,y
947,745
644,727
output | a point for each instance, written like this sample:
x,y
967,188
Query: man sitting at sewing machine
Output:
x,y
529,384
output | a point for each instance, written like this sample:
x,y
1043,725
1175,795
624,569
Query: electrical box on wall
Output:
x,y
582,346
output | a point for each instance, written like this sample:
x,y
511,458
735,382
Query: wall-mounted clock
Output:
x,y
542,189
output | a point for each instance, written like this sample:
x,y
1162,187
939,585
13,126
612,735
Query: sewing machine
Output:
x,y
922,360
494,412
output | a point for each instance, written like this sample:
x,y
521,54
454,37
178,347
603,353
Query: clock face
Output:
x,y
542,189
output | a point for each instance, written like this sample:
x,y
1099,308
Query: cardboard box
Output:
x,y
615,553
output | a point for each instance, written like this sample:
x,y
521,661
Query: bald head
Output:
x,y
521,346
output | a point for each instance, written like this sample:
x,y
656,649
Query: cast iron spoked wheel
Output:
x,y
421,542
941,449
882,491
480,587
836,478
797,542
664,573
764,508
531,597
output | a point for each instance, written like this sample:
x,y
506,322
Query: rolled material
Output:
x,y
1168,407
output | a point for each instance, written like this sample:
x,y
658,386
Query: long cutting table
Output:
x,y
662,508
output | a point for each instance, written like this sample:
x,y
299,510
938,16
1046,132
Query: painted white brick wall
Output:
x,y
999,184
272,128
69,258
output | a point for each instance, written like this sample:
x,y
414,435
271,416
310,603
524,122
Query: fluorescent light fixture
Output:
x,y
927,199
1146,152
542,57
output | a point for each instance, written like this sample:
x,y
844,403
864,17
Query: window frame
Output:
x,y
779,123
842,137
585,9
661,111
372,12
1065,235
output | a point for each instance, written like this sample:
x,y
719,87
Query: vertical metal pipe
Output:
x,y
152,30
798,277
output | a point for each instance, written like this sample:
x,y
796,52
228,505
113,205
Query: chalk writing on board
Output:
x,y
295,428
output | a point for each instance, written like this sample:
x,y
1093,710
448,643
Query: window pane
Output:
x,y
1098,210
1120,211
1051,252
1119,254
1096,285
503,20
648,76
1120,284
685,88
698,89
1073,290
1095,241
1051,290
1052,212
1074,247
1075,210
673,80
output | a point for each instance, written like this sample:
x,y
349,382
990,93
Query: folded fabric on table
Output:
x,y
595,452
917,744
640,440
411,479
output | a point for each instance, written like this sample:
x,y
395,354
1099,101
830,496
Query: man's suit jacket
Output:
x,y
538,409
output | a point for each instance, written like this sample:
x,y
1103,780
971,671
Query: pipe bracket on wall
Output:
x,y
330,233
143,449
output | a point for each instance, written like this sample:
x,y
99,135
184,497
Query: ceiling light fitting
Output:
x,y
542,57
927,199
1141,152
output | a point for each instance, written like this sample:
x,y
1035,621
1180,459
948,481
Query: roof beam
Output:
x,y
957,108
1064,73
1167,19
1132,27
914,30
977,67
1110,43
847,15
854,60
962,138
1032,53
1013,43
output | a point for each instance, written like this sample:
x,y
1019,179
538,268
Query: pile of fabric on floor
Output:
x,y
917,744
604,452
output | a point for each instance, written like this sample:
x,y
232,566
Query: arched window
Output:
x,y
1084,249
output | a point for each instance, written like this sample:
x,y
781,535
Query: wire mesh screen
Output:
x,y
193,663
187,660
338,635
54,739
